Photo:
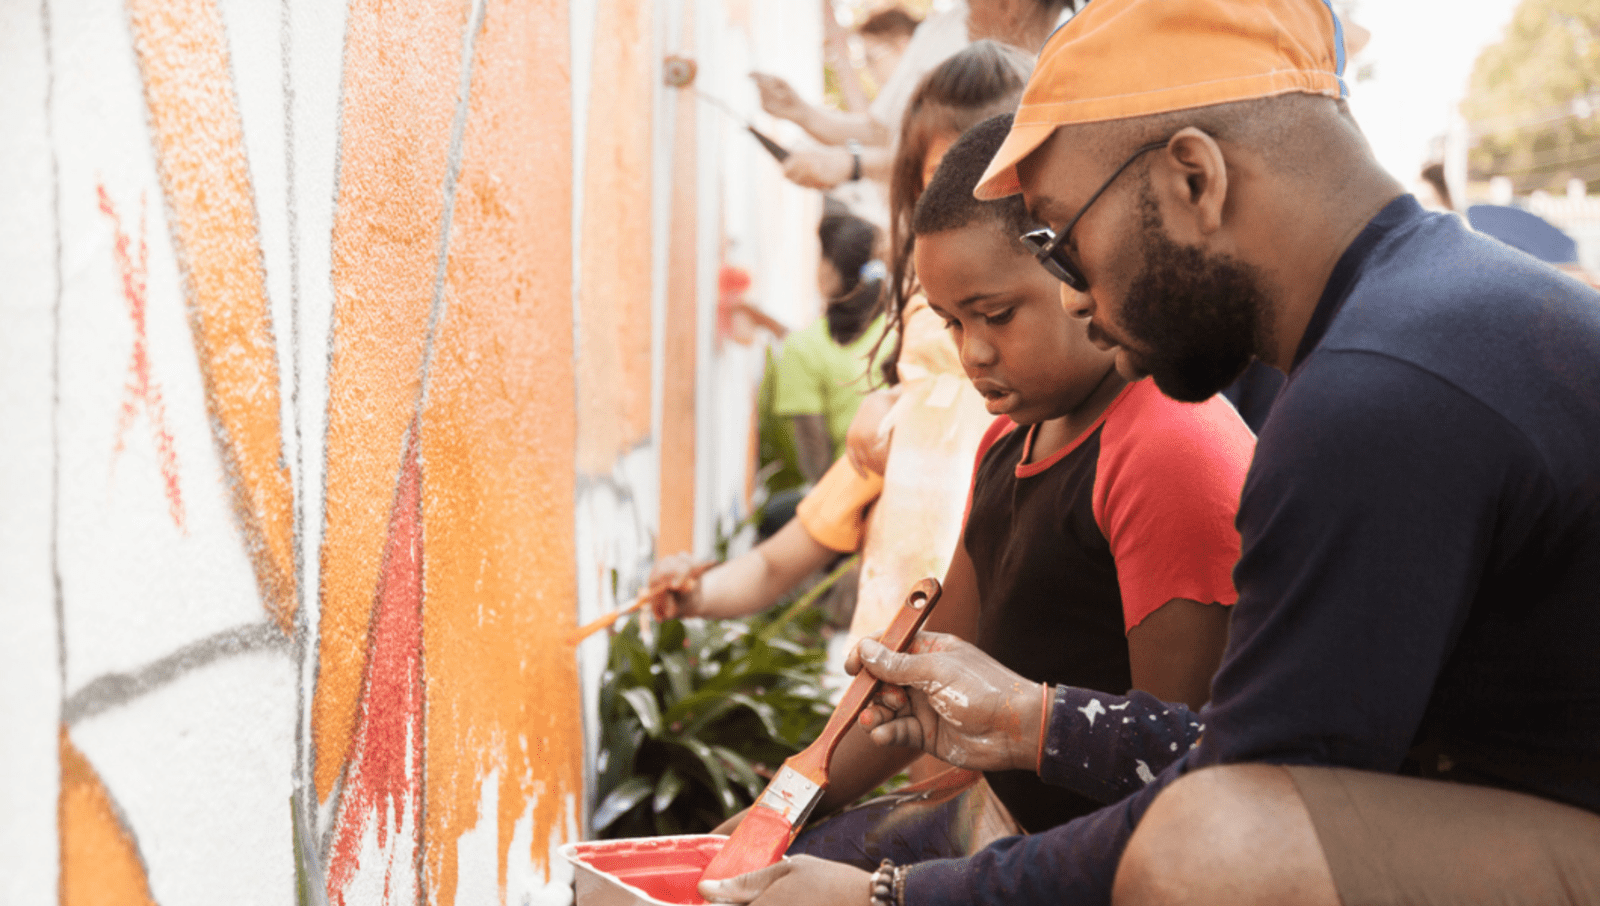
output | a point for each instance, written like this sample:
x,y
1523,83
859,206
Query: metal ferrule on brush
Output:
x,y
791,795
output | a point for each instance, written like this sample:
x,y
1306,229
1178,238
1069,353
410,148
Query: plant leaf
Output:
x,y
645,705
629,794
667,789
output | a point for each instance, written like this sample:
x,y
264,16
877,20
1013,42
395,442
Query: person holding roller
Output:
x,y
1408,707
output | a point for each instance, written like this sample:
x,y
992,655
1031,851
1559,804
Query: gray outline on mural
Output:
x,y
55,355
112,690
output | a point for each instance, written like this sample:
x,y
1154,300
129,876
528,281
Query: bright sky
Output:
x,y
1422,53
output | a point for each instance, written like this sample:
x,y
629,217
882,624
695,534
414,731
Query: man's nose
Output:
x,y
1076,304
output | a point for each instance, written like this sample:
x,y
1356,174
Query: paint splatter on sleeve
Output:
x,y
1108,746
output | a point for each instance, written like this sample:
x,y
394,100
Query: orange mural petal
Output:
x,y
402,65
382,787
100,861
614,322
678,376
498,429
199,147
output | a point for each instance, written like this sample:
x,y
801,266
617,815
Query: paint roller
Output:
x,y
679,72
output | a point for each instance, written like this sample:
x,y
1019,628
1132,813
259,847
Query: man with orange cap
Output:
x,y
1408,710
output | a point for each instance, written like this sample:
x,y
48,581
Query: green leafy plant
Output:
x,y
697,714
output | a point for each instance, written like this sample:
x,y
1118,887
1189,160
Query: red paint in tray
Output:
x,y
642,869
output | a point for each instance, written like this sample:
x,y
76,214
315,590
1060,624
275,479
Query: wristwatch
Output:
x,y
854,147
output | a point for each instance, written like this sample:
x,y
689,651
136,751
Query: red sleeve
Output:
x,y
998,429
1166,495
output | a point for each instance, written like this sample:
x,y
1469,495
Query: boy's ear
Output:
x,y
1190,180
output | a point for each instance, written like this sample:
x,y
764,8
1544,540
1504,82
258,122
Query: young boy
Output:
x,y
1099,540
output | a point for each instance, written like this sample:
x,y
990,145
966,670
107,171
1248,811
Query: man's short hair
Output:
x,y
948,203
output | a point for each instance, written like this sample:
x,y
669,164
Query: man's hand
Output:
x,y
797,880
867,441
780,99
680,595
818,168
951,700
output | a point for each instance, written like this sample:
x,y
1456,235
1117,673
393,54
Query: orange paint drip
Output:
x,y
614,328
199,145
678,377
142,390
498,432
383,783
402,70
100,860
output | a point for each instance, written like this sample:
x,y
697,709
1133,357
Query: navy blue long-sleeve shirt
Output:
x,y
1420,579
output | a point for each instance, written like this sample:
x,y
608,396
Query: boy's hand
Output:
x,y
680,588
951,700
798,880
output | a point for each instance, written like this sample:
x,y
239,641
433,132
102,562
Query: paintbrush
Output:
x,y
645,597
773,148
771,824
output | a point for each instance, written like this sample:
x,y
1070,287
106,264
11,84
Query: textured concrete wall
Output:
x,y
337,384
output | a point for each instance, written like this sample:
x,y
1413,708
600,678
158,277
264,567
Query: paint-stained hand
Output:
x,y
951,700
818,168
795,880
679,585
867,441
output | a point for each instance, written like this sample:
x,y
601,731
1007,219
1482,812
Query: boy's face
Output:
x,y
1029,359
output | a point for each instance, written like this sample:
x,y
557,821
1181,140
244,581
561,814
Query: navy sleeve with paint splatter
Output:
x,y
1110,746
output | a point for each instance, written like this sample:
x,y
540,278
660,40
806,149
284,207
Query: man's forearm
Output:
x,y
835,127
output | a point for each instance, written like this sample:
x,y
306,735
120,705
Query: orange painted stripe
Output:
x,y
678,375
100,861
402,69
199,146
614,293
498,430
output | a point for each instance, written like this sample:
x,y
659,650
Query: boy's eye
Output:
x,y
1000,317
951,324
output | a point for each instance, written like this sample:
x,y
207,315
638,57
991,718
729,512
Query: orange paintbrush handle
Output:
x,y
594,626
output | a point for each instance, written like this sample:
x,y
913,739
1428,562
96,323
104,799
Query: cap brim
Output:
x,y
1000,179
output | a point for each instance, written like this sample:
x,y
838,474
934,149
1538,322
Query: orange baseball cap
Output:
x,y
1119,59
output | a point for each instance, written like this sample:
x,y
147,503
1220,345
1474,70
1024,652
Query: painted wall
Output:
x,y
353,354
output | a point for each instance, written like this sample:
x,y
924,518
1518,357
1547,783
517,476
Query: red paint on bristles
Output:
x,y
761,839
765,833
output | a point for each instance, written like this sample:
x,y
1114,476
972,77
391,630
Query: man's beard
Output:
x,y
1197,319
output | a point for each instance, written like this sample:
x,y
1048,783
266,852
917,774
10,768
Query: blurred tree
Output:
x,y
1533,97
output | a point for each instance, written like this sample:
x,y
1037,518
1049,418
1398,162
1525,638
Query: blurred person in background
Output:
x,y
858,145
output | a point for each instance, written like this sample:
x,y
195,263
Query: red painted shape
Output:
x,y
141,389
665,869
383,780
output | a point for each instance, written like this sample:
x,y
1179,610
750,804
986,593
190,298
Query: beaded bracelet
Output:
x,y
888,885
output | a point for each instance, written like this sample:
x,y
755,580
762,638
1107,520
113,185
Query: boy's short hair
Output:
x,y
888,24
948,204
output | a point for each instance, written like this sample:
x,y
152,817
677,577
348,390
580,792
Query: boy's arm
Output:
x,y
1175,651
750,582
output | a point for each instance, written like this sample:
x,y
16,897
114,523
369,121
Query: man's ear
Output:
x,y
1190,180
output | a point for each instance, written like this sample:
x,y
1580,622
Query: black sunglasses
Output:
x,y
1048,246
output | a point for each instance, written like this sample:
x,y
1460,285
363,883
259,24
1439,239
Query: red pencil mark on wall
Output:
x,y
142,391
383,780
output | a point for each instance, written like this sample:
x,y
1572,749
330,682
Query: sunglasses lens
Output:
x,y
1053,258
